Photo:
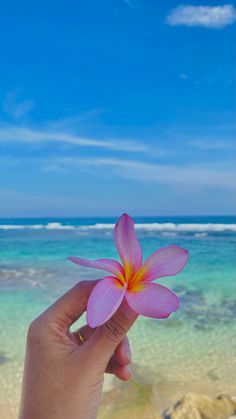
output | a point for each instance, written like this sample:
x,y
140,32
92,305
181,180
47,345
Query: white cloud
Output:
x,y
219,175
15,108
20,134
207,16
131,3
210,144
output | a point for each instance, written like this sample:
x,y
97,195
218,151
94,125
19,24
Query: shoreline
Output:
x,y
135,400
142,399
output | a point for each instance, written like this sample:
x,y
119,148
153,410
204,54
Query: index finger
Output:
x,y
70,306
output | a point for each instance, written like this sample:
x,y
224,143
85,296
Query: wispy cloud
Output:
x,y
183,76
14,107
208,16
210,144
206,174
20,134
131,3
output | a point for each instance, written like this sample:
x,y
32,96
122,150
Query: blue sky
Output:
x,y
117,105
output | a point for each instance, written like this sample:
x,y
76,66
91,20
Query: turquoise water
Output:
x,y
194,350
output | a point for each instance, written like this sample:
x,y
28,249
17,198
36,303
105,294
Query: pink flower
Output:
x,y
132,279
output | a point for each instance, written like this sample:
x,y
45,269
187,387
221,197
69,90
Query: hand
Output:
x,y
62,378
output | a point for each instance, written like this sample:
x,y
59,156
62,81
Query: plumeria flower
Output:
x,y
133,279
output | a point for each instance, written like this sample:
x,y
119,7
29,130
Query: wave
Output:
x,y
187,227
49,226
201,235
159,227
58,226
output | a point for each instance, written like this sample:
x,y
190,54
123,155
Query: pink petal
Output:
x,y
104,300
108,265
127,243
153,300
164,262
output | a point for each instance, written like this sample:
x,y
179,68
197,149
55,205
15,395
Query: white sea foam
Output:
x,y
164,228
49,226
168,234
97,226
169,227
58,226
200,235
11,227
187,227
36,226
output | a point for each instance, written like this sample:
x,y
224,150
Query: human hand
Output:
x,y
62,378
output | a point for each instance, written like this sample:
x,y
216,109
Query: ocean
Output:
x,y
194,350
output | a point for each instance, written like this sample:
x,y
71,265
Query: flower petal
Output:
x,y
108,265
104,300
164,262
127,243
153,300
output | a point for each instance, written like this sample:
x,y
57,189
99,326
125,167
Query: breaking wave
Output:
x,y
159,227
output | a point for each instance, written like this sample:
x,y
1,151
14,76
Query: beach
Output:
x,y
192,351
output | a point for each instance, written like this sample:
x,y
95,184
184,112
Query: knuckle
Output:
x,y
113,330
36,330
82,287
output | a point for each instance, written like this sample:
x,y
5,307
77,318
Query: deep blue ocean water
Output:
x,y
183,352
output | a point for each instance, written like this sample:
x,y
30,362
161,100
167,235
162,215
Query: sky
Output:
x,y
117,106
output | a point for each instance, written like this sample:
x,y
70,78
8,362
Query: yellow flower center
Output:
x,y
132,278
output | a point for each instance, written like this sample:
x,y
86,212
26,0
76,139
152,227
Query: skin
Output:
x,y
62,377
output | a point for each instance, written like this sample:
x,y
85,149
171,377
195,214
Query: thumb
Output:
x,y
106,338
70,306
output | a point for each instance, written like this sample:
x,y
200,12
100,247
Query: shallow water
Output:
x,y
194,350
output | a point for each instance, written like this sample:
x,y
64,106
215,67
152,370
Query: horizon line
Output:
x,y
113,216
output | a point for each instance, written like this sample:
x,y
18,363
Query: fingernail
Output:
x,y
128,352
130,373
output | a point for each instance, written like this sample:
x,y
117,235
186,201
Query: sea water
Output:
x,y
194,350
